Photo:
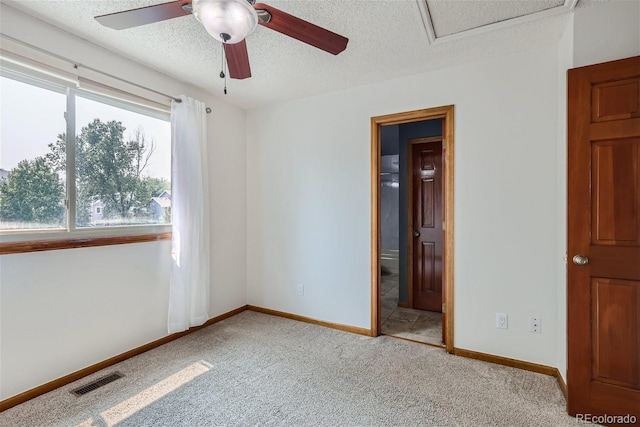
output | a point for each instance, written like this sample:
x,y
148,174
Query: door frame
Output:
x,y
447,114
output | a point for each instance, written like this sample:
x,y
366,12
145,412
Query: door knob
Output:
x,y
416,233
580,260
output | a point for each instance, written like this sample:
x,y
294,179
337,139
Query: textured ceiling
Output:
x,y
387,39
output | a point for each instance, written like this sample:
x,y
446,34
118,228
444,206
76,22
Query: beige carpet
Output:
x,y
256,369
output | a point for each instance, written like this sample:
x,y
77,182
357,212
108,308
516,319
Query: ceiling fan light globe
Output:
x,y
235,18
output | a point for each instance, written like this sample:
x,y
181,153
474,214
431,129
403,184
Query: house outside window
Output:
x,y
160,207
96,211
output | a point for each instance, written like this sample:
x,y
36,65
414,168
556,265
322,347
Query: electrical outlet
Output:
x,y
300,289
535,325
501,321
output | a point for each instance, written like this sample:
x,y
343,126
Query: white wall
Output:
x,y
565,62
607,31
64,310
309,199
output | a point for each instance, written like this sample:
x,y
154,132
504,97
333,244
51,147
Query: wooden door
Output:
x,y
603,292
426,165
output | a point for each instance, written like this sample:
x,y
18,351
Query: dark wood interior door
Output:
x,y
426,161
603,291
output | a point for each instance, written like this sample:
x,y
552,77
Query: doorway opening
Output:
x,y
412,226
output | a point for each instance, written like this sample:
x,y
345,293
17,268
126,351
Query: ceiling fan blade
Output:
x,y
238,60
144,15
302,30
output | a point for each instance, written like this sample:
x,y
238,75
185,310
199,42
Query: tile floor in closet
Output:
x,y
409,323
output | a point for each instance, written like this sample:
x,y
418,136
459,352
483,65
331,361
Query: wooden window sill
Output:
x,y
80,242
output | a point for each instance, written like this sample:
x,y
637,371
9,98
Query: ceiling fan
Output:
x,y
230,21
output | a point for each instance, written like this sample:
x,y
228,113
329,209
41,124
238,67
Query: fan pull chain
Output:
x,y
223,60
222,63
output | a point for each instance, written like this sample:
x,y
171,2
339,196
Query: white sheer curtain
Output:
x,y
189,288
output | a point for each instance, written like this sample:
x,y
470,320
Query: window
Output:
x,y
117,174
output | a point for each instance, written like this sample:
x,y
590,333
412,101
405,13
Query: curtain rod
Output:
x,y
78,65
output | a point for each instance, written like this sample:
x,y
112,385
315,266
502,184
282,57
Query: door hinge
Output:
x,y
444,307
443,228
444,144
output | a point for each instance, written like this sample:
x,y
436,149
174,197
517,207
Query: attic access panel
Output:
x,y
453,17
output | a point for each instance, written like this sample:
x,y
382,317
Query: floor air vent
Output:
x,y
96,384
